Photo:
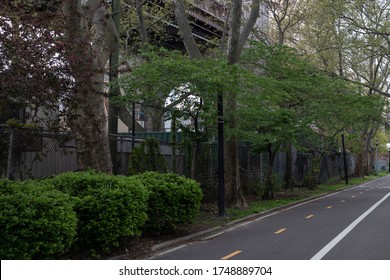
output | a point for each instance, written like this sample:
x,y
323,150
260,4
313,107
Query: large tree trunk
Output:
x,y
359,168
185,30
90,35
113,110
288,175
232,164
237,42
141,21
268,193
89,123
153,117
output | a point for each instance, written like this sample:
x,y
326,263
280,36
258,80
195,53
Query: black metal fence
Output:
x,y
27,153
175,160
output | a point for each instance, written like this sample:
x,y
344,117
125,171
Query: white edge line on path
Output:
x,y
339,237
167,251
260,218
287,208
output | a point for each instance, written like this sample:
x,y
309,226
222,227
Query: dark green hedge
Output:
x,y
89,211
173,201
36,221
109,208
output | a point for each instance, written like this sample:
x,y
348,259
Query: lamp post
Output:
x,y
376,155
389,157
345,159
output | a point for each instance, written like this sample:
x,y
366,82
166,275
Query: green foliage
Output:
x,y
147,157
311,179
296,102
109,208
185,85
33,75
174,201
37,221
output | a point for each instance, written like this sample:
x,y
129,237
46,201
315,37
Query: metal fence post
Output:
x,y
10,159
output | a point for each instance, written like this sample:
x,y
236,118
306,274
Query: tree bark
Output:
x,y
234,38
288,175
90,35
235,46
185,30
153,117
113,112
141,21
126,117
247,29
269,191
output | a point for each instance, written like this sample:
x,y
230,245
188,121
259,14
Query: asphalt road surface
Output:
x,y
353,224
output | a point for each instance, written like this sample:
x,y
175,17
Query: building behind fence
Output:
x,y
33,153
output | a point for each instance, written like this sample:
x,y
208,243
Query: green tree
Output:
x,y
238,35
185,89
34,78
349,39
295,101
72,35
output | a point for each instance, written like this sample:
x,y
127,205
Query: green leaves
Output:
x,y
297,101
109,208
282,97
37,221
164,71
173,201
187,86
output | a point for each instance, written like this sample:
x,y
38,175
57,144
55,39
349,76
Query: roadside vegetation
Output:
x,y
285,88
84,215
88,214
283,197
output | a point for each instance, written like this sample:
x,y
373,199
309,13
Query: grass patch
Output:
x,y
286,197
256,207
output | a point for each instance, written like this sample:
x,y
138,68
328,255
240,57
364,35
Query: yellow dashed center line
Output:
x,y
280,231
231,255
310,216
330,206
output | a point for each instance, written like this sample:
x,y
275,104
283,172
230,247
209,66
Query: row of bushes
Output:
x,y
85,211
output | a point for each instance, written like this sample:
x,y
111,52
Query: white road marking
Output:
x,y
167,251
339,237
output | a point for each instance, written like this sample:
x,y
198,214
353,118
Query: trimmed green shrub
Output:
x,y
173,201
36,221
147,157
109,208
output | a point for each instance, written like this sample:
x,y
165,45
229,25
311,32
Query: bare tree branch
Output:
x,y
254,15
185,30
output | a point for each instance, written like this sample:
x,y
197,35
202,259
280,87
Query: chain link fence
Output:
x,y
28,153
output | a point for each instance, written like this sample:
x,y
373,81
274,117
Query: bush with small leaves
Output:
x,y
173,201
36,221
109,208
